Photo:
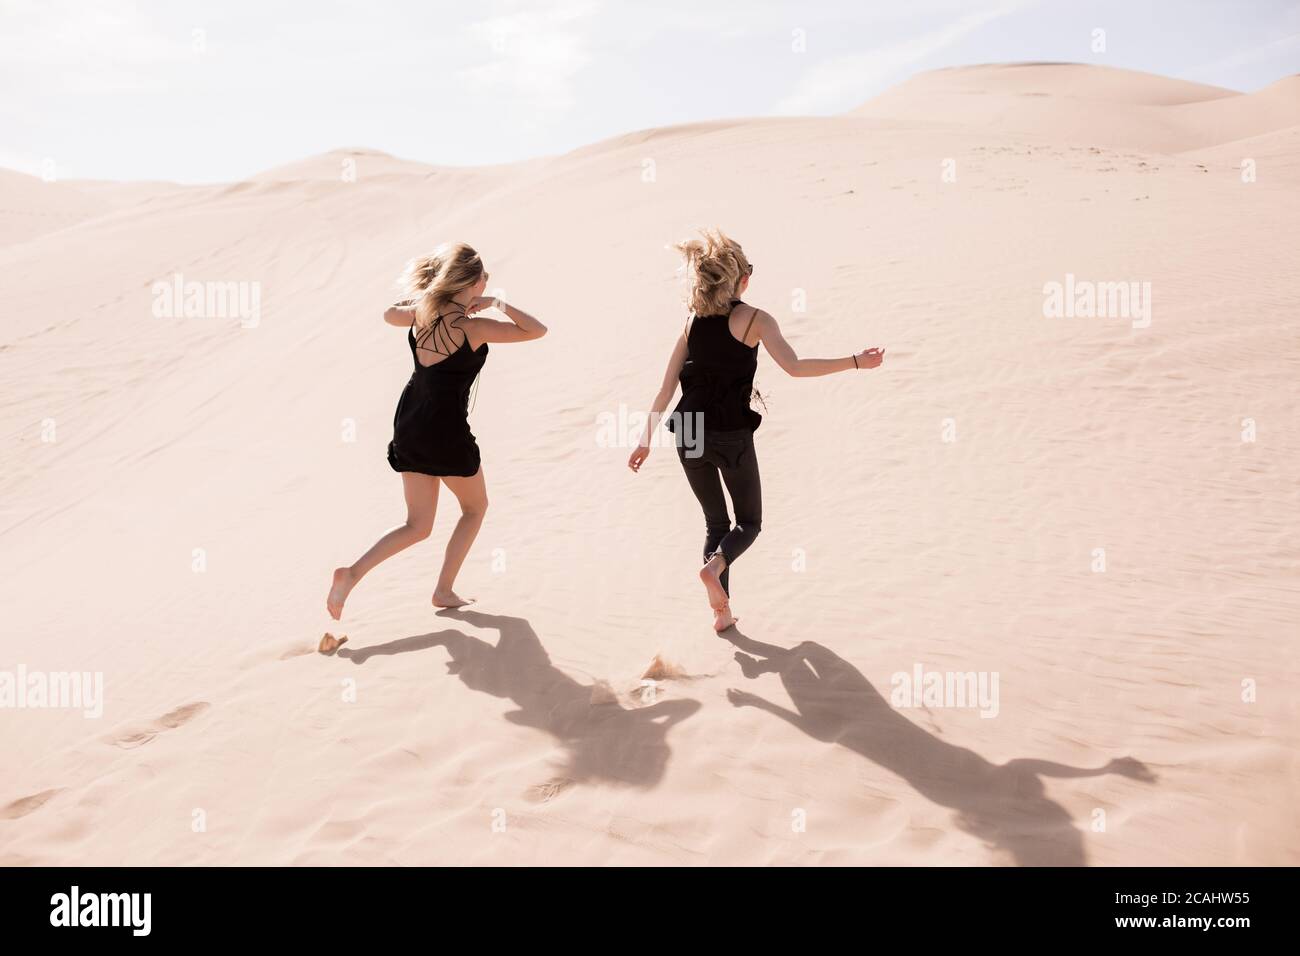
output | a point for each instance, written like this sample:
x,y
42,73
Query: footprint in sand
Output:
x,y
183,715
545,792
141,734
25,805
283,652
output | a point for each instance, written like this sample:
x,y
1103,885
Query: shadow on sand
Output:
x,y
1004,805
604,741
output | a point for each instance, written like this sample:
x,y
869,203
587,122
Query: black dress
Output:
x,y
431,433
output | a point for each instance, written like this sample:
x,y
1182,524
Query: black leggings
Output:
x,y
727,457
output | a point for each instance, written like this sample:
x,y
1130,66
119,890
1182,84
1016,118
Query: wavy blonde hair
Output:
x,y
434,280
714,265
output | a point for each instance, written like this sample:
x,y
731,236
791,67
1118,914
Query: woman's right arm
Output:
x,y
665,395
784,355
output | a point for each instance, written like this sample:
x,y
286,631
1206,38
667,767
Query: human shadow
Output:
x,y
1004,805
604,741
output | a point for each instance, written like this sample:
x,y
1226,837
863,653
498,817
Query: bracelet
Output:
x,y
855,362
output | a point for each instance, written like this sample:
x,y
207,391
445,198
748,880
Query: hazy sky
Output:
x,y
212,91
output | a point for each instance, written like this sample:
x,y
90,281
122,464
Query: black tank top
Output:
x,y
718,375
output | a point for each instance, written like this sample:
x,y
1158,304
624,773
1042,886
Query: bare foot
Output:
x,y
340,588
709,574
449,599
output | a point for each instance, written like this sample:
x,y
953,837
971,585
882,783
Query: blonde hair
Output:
x,y
434,280
714,265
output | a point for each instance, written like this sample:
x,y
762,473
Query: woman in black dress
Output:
x,y
715,358
432,442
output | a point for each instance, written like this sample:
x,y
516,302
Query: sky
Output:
x,y
193,91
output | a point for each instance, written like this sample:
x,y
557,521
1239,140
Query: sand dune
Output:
x,y
1073,103
176,491
30,207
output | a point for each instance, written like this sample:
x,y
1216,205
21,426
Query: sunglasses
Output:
x,y
750,270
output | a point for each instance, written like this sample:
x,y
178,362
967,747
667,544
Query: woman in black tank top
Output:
x,y
713,425
717,376
432,443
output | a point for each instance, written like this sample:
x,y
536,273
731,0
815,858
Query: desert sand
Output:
x,y
1100,512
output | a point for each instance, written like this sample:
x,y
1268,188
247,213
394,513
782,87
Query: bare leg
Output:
x,y
711,575
421,503
472,494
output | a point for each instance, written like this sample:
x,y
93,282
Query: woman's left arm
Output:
x,y
784,355
522,327
403,314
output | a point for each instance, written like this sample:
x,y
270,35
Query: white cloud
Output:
x,y
107,47
531,58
